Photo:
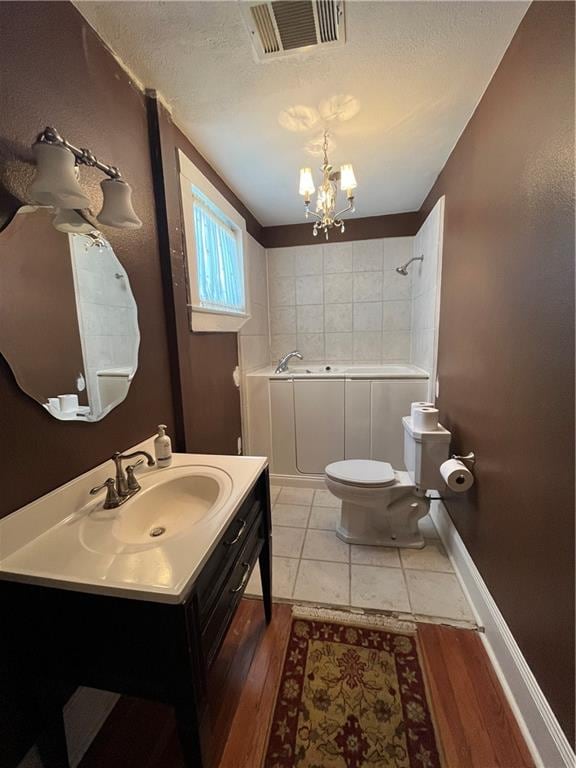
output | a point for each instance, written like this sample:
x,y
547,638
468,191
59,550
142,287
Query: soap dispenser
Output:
x,y
163,447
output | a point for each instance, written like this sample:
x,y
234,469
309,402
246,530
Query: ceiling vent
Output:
x,y
283,27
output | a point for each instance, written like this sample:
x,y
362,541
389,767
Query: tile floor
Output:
x,y
311,564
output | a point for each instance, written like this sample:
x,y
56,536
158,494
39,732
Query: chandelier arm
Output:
x,y
313,213
350,207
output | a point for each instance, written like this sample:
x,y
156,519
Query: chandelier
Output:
x,y
326,200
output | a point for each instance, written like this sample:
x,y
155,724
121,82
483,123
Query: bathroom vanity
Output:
x,y
95,598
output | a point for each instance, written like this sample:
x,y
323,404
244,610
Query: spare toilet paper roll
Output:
x,y
68,403
456,475
420,404
425,419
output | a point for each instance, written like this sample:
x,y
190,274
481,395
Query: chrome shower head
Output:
x,y
403,270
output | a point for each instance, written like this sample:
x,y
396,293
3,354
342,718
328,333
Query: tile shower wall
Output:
x,y
425,290
254,337
341,302
107,314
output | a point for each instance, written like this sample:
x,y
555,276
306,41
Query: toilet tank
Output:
x,y
113,385
423,454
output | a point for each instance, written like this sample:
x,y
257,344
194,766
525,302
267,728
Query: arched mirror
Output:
x,y
68,318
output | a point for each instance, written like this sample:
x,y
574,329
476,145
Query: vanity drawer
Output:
x,y
230,594
223,558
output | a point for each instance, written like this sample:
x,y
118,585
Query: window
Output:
x,y
214,235
218,257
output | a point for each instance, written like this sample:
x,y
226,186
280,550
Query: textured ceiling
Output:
x,y
412,74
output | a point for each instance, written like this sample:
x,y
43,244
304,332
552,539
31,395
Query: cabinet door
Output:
x,y
391,400
319,415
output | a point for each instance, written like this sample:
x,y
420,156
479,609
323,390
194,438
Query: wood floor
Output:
x,y
475,723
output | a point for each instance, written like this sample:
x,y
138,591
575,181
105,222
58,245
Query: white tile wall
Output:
x,y
107,314
341,301
425,290
254,336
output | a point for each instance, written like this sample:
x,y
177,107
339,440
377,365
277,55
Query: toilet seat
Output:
x,y
362,472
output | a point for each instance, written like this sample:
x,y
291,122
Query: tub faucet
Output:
x,y
282,366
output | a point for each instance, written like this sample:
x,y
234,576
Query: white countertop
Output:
x,y
344,371
42,542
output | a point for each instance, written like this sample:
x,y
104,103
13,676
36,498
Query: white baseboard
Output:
x,y
84,714
540,728
299,481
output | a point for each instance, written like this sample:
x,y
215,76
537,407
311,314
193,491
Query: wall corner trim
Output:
x,y
541,730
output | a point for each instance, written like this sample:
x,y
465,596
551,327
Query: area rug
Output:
x,y
351,695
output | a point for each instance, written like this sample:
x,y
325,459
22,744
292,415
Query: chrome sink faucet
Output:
x,y
125,485
282,366
121,481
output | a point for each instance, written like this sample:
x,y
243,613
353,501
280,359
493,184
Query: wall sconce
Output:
x,y
71,221
57,184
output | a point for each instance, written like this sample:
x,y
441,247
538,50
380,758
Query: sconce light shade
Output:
x,y
56,182
307,187
347,178
117,210
72,222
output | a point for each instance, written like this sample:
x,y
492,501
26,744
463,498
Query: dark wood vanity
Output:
x,y
139,647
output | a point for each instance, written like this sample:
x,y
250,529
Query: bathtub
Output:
x,y
352,371
312,415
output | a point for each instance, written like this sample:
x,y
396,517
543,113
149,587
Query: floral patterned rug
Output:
x,y
351,696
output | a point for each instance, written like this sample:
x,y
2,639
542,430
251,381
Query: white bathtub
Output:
x,y
313,415
344,371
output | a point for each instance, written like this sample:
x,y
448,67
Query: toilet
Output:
x,y
381,506
113,385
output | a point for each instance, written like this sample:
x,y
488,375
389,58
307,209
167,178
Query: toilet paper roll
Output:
x,y
68,403
425,419
456,475
420,404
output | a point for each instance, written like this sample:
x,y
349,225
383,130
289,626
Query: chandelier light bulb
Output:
x,y
307,187
347,179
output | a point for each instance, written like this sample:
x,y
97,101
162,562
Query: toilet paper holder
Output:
x,y
470,458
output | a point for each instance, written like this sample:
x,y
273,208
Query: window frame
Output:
x,y
204,318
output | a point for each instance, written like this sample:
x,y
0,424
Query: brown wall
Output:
x,y
207,398
55,71
506,352
367,228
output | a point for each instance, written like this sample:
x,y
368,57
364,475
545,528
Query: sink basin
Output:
x,y
171,502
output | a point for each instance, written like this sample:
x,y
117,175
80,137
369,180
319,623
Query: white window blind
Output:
x,y
219,258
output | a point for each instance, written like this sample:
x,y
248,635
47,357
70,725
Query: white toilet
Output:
x,y
381,506
113,385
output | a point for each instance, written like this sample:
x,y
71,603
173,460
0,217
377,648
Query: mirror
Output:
x,y
68,318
